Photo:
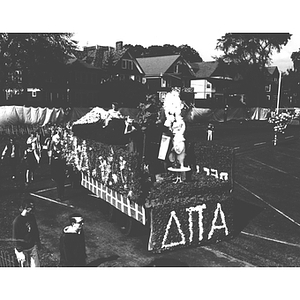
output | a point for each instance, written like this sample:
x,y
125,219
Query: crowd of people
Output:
x,y
47,148
39,149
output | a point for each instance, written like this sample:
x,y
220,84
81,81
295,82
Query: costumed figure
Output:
x,y
112,113
174,121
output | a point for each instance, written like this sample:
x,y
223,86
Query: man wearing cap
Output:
x,y
26,236
72,243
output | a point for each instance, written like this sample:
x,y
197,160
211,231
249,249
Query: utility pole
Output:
x,y
278,96
277,106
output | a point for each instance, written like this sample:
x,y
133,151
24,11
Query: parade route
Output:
x,y
267,213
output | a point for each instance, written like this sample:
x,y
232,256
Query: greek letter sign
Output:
x,y
196,223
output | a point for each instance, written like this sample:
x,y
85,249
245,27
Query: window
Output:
x,y
33,94
176,68
127,64
268,88
163,82
268,97
208,86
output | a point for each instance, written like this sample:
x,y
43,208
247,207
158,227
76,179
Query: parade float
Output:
x,y
143,167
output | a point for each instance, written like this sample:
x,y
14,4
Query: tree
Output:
x,y
32,53
187,52
251,48
296,60
247,54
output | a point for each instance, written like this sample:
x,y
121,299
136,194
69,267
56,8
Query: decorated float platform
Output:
x,y
195,211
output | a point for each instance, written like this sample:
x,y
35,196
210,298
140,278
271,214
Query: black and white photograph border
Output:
x,y
197,25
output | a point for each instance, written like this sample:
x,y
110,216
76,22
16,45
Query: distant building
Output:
x,y
271,85
210,83
161,73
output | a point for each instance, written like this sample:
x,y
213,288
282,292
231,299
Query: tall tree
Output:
x,y
248,54
251,48
189,54
33,53
296,60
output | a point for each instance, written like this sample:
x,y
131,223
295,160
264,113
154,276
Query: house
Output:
x,y
211,82
119,63
74,83
164,72
124,74
83,84
271,85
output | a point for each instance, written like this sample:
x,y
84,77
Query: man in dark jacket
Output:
x,y
72,243
11,152
58,170
26,236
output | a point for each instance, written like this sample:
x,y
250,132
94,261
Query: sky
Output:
x,y
206,50
196,23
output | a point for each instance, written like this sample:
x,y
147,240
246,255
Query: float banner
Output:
x,y
193,223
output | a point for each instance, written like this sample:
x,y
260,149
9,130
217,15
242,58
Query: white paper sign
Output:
x,y
164,145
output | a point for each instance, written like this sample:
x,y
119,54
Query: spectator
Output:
x,y
72,243
31,159
32,139
46,149
210,130
58,169
26,236
11,152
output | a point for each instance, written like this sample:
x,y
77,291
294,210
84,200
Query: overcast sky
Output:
x,y
157,22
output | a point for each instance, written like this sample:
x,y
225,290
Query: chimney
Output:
x,y
119,46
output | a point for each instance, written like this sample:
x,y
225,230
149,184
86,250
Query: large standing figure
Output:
x,y
26,236
72,243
